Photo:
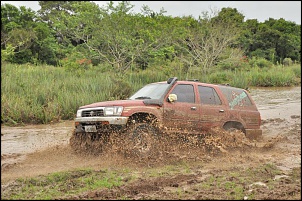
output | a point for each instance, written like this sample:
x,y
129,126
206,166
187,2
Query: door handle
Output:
x,y
193,108
221,111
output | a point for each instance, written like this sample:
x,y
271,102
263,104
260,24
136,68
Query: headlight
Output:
x,y
79,113
113,111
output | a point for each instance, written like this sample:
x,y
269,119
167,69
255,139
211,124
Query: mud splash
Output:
x,y
169,147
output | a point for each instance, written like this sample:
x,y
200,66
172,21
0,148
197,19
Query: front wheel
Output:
x,y
144,139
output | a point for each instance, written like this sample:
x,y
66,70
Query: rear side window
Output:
x,y
185,93
208,96
236,96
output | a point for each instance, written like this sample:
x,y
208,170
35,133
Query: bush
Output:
x,y
218,77
234,64
8,53
287,62
76,64
120,88
261,63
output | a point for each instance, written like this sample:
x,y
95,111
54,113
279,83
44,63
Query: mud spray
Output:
x,y
166,148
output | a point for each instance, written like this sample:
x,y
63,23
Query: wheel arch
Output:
x,y
235,125
142,117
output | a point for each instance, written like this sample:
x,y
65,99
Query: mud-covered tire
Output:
x,y
144,139
233,127
88,143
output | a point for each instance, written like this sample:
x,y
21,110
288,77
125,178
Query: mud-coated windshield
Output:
x,y
150,91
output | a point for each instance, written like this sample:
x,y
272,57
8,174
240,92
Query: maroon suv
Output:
x,y
172,105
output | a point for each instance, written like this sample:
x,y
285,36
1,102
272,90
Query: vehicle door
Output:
x,y
212,111
182,114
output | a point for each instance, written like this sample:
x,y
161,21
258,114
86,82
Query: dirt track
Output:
x,y
280,146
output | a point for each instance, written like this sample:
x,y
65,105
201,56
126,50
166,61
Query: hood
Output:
x,y
124,103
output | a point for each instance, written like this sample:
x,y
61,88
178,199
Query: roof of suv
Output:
x,y
203,83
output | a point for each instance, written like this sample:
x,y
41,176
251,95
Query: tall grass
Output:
x,y
44,94
277,76
274,77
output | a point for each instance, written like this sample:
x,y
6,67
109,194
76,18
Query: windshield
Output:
x,y
150,91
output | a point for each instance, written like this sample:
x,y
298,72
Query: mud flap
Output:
x,y
253,134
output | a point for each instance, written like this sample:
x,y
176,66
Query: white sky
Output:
x,y
260,10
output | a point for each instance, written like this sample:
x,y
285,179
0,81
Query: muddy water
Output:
x,y
30,138
278,102
283,103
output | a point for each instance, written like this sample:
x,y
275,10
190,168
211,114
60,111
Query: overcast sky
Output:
x,y
260,10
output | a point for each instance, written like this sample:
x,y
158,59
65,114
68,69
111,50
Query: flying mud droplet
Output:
x,y
163,148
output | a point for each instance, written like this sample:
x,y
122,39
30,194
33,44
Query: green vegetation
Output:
x,y
239,181
234,185
45,94
80,34
60,184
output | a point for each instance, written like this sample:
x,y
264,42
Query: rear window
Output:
x,y
236,96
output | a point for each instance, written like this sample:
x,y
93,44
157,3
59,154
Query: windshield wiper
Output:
x,y
143,97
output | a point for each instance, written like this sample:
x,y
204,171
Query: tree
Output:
x,y
45,48
289,43
208,41
17,31
229,16
116,36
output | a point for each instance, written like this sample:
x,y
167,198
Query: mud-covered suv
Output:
x,y
172,106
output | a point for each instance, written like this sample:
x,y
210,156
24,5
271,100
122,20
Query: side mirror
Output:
x,y
172,98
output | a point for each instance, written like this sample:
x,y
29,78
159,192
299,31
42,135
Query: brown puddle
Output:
x,y
278,102
30,138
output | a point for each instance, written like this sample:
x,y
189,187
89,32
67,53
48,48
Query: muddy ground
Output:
x,y
223,158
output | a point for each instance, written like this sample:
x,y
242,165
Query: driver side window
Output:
x,y
185,93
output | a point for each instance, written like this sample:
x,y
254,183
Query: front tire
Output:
x,y
144,139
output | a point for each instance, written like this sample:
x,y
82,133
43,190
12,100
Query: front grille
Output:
x,y
93,113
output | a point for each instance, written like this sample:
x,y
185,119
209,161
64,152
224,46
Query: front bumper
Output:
x,y
103,120
103,124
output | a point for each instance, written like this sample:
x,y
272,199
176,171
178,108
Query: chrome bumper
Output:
x,y
101,124
109,120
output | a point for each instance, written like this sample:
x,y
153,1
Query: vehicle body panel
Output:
x,y
199,106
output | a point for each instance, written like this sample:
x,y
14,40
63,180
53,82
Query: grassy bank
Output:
x,y
44,94
231,184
